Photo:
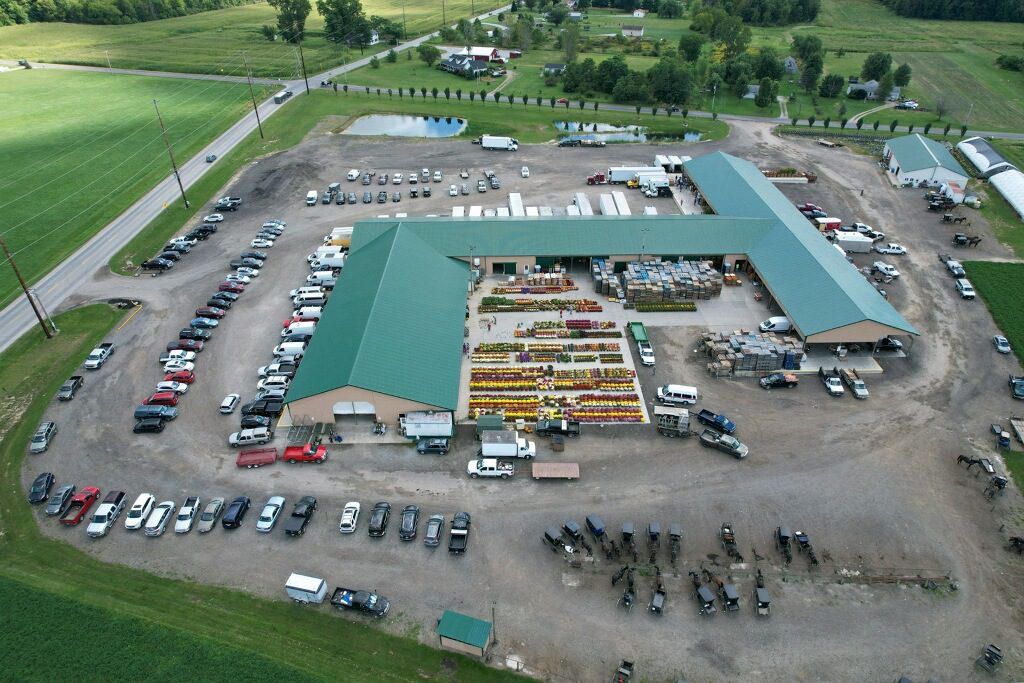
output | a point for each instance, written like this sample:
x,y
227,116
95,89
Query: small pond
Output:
x,y
407,126
610,133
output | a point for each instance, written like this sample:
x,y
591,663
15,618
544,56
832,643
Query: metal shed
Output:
x,y
463,633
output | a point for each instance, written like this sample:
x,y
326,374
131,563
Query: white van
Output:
x,y
311,198
776,324
305,290
323,278
353,175
678,394
306,589
300,326
296,349
303,300
310,312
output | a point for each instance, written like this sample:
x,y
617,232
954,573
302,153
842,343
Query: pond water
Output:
x,y
609,133
407,126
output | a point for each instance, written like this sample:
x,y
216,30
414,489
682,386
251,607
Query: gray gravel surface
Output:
x,y
874,482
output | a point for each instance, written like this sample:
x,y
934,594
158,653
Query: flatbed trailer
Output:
x,y
256,458
1017,425
555,470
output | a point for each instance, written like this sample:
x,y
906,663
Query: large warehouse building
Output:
x,y
915,159
383,348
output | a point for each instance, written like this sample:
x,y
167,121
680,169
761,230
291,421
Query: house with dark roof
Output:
x,y
632,31
554,69
871,88
390,340
789,65
463,65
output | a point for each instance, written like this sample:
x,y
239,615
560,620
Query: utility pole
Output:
x,y
107,53
174,166
24,287
405,31
302,57
255,108
444,22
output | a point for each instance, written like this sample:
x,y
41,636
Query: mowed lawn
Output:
x,y
212,42
951,60
1001,286
79,148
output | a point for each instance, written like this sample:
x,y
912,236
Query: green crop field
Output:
x,y
601,22
65,612
1001,286
78,148
952,60
528,123
212,42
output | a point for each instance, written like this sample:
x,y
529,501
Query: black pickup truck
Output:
x,y
68,389
458,537
360,601
568,428
301,514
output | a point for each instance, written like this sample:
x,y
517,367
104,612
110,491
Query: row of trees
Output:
x,y
967,10
104,11
669,80
766,12
344,22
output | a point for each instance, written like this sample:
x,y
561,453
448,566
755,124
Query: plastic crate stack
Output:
x,y
749,352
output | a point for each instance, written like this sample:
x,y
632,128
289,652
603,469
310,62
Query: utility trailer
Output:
x,y
672,421
256,458
555,470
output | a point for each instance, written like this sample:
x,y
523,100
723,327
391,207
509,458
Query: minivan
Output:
x,y
776,324
677,393
306,290
290,349
301,336
303,300
311,198
310,312
353,174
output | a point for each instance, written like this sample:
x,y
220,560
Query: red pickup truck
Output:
x,y
305,453
80,505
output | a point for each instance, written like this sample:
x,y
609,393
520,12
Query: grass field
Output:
x,y
79,148
211,42
954,60
157,622
530,124
599,22
1001,286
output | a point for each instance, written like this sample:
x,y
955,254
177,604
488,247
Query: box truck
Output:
x,y
506,444
499,142
623,174
426,423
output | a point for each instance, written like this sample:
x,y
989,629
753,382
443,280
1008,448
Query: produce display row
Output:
x,y
498,304
545,357
623,407
546,346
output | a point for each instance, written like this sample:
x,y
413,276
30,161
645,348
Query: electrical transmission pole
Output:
x,y
255,108
167,142
24,287
302,58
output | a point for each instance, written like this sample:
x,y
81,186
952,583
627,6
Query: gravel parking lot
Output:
x,y
873,482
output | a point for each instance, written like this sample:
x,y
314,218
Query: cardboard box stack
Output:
x,y
752,352
658,281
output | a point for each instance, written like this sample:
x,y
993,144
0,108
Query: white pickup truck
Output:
x,y
490,467
646,352
98,356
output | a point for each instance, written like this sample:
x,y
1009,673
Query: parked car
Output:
x,y
235,513
209,312
525,171
106,514
367,197
481,186
233,287
235,277
223,304
256,254
185,377
39,492
213,218
396,197
139,511
68,390
438,446
187,515
208,519
465,188
378,525
225,295
434,531
382,179
161,516
172,386
149,425
382,197
43,436
161,398
157,264
203,323
230,402
179,366
250,437
254,421
397,179
437,176
270,514
964,288
302,512
193,334
891,248
453,191
885,269
349,518
60,500
171,256
185,345
410,523
1001,343
262,243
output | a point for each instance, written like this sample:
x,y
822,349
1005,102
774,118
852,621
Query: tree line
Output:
x,y
964,10
764,12
105,11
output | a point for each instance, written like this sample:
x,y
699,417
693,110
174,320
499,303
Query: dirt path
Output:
x,y
509,77
857,117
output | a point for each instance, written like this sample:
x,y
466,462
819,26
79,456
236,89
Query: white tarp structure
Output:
x,y
985,158
1010,184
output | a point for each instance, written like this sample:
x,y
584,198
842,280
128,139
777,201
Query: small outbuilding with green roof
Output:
x,y
465,634
915,159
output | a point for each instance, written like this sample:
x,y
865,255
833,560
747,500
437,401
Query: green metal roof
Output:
x,y
915,152
577,235
393,325
813,283
464,629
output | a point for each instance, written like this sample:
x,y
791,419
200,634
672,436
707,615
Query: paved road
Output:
x,y
61,282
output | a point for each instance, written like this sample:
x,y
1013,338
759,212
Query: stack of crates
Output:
x,y
753,353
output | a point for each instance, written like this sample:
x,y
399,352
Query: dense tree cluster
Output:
x,y
966,10
104,11
669,80
769,12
